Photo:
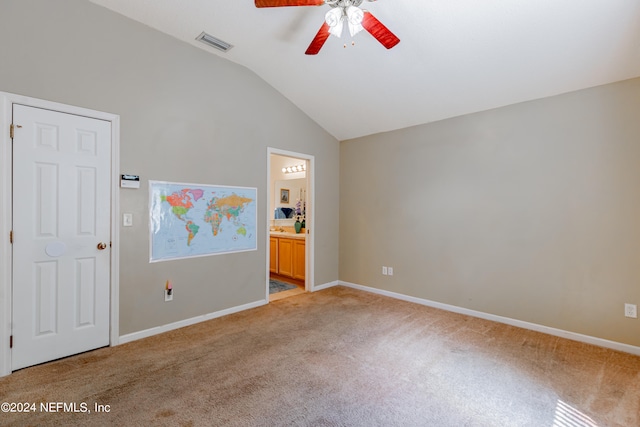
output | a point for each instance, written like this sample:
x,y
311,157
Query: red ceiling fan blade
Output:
x,y
318,40
281,3
379,31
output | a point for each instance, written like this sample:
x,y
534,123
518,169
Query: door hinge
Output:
x,y
12,129
11,237
11,341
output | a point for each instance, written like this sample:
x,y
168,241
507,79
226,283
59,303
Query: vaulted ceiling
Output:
x,y
455,56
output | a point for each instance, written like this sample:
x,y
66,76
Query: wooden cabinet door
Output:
x,y
273,255
298,259
285,258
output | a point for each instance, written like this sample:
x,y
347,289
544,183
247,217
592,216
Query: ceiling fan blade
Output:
x,y
379,31
281,3
318,40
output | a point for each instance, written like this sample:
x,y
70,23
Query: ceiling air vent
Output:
x,y
214,42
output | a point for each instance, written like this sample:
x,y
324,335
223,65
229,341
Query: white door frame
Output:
x,y
309,281
6,102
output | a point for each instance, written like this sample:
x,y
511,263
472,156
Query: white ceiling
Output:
x,y
455,56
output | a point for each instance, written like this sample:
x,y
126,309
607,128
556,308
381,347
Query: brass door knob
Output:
x,y
102,246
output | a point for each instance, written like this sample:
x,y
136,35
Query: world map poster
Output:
x,y
193,220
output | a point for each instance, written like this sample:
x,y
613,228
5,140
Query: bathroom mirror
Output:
x,y
295,189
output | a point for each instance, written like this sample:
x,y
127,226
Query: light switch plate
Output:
x,y
127,220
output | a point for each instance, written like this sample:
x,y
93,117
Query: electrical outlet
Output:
x,y
384,270
390,271
631,310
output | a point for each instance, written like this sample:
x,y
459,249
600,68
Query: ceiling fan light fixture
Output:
x,y
355,15
215,42
334,19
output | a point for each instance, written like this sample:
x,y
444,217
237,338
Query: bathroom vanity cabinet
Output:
x,y
287,255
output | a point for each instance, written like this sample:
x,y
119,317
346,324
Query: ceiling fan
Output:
x,y
342,11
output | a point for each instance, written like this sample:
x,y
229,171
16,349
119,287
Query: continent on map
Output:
x,y
229,207
181,202
192,229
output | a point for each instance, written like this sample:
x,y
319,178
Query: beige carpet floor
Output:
x,y
339,357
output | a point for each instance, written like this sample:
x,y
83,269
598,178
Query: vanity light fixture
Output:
x,y
294,169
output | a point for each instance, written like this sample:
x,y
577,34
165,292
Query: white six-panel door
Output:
x,y
61,234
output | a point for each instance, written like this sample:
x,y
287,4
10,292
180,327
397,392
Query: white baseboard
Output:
x,y
187,322
325,286
192,321
506,320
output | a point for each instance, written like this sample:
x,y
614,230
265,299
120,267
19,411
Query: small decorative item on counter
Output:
x,y
300,215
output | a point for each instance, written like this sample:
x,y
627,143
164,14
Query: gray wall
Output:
x,y
186,116
531,211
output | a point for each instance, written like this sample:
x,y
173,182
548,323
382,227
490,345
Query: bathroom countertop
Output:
x,y
288,234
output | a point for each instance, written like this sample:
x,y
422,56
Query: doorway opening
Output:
x,y
289,224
